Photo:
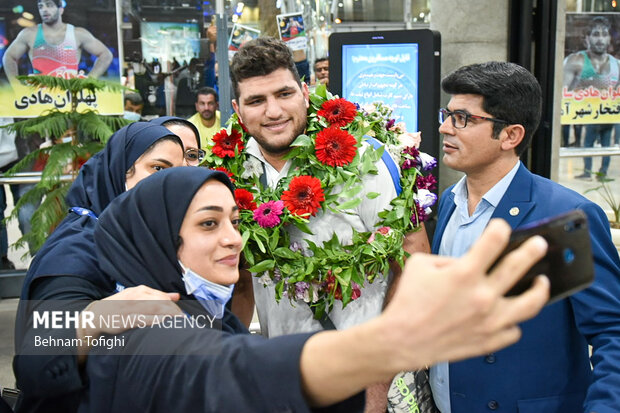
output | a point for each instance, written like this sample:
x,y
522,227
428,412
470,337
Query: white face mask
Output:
x,y
131,116
213,297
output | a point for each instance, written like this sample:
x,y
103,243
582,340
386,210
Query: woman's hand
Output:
x,y
126,305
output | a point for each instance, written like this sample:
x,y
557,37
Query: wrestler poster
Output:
x,y
591,69
64,38
292,30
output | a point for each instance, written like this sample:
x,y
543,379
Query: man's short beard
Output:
x,y
211,118
283,149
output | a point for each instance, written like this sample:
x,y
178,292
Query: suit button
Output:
x,y
493,405
490,358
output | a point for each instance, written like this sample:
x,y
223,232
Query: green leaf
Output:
x,y
260,244
274,239
303,227
372,195
245,236
284,252
302,140
262,266
350,204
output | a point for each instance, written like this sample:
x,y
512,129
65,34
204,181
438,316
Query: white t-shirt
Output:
x,y
286,317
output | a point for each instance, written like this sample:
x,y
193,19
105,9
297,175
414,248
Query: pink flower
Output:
x,y
356,291
268,214
383,231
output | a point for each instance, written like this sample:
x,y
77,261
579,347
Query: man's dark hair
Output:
x,y
260,57
319,60
596,22
509,92
58,3
207,91
134,98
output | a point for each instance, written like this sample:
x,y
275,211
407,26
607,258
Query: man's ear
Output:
x,y
236,109
511,136
306,93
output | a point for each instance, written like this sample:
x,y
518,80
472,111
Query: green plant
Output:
x,y
88,130
605,191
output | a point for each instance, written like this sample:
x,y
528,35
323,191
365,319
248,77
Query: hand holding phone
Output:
x,y
568,263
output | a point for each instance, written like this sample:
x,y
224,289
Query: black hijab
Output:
x,y
70,249
137,236
173,120
102,178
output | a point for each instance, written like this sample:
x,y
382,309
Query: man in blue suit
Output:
x,y
493,112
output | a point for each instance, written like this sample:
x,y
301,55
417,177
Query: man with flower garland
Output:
x,y
272,104
489,122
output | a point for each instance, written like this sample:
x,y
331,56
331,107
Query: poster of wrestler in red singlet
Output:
x,y
591,69
292,30
62,38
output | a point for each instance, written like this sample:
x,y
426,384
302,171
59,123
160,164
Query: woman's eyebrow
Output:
x,y
216,208
165,161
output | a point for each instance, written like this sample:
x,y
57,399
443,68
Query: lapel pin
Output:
x,y
514,211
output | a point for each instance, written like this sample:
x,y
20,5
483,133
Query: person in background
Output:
x,y
133,106
188,134
321,71
207,116
13,149
493,112
8,156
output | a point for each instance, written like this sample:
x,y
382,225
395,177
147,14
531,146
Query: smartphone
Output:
x,y
568,263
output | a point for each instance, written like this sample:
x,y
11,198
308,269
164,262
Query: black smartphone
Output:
x,y
568,263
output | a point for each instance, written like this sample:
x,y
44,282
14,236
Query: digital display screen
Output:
x,y
386,73
167,41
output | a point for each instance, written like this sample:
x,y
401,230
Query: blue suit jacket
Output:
x,y
548,370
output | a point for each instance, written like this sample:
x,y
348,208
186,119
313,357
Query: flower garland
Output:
x,y
325,158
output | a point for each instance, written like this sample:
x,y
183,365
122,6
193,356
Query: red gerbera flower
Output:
x,y
338,112
304,195
226,171
335,147
225,144
333,287
244,199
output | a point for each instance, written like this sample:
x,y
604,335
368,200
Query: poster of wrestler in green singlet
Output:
x,y
62,38
591,88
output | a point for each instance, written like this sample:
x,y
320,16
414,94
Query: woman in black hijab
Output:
x,y
66,267
189,135
177,231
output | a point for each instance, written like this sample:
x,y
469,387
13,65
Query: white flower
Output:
x,y
252,167
395,151
265,279
369,108
426,198
409,139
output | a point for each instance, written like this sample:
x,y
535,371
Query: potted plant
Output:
x,y
75,136
612,202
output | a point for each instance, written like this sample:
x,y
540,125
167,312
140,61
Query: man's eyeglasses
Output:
x,y
194,156
460,118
